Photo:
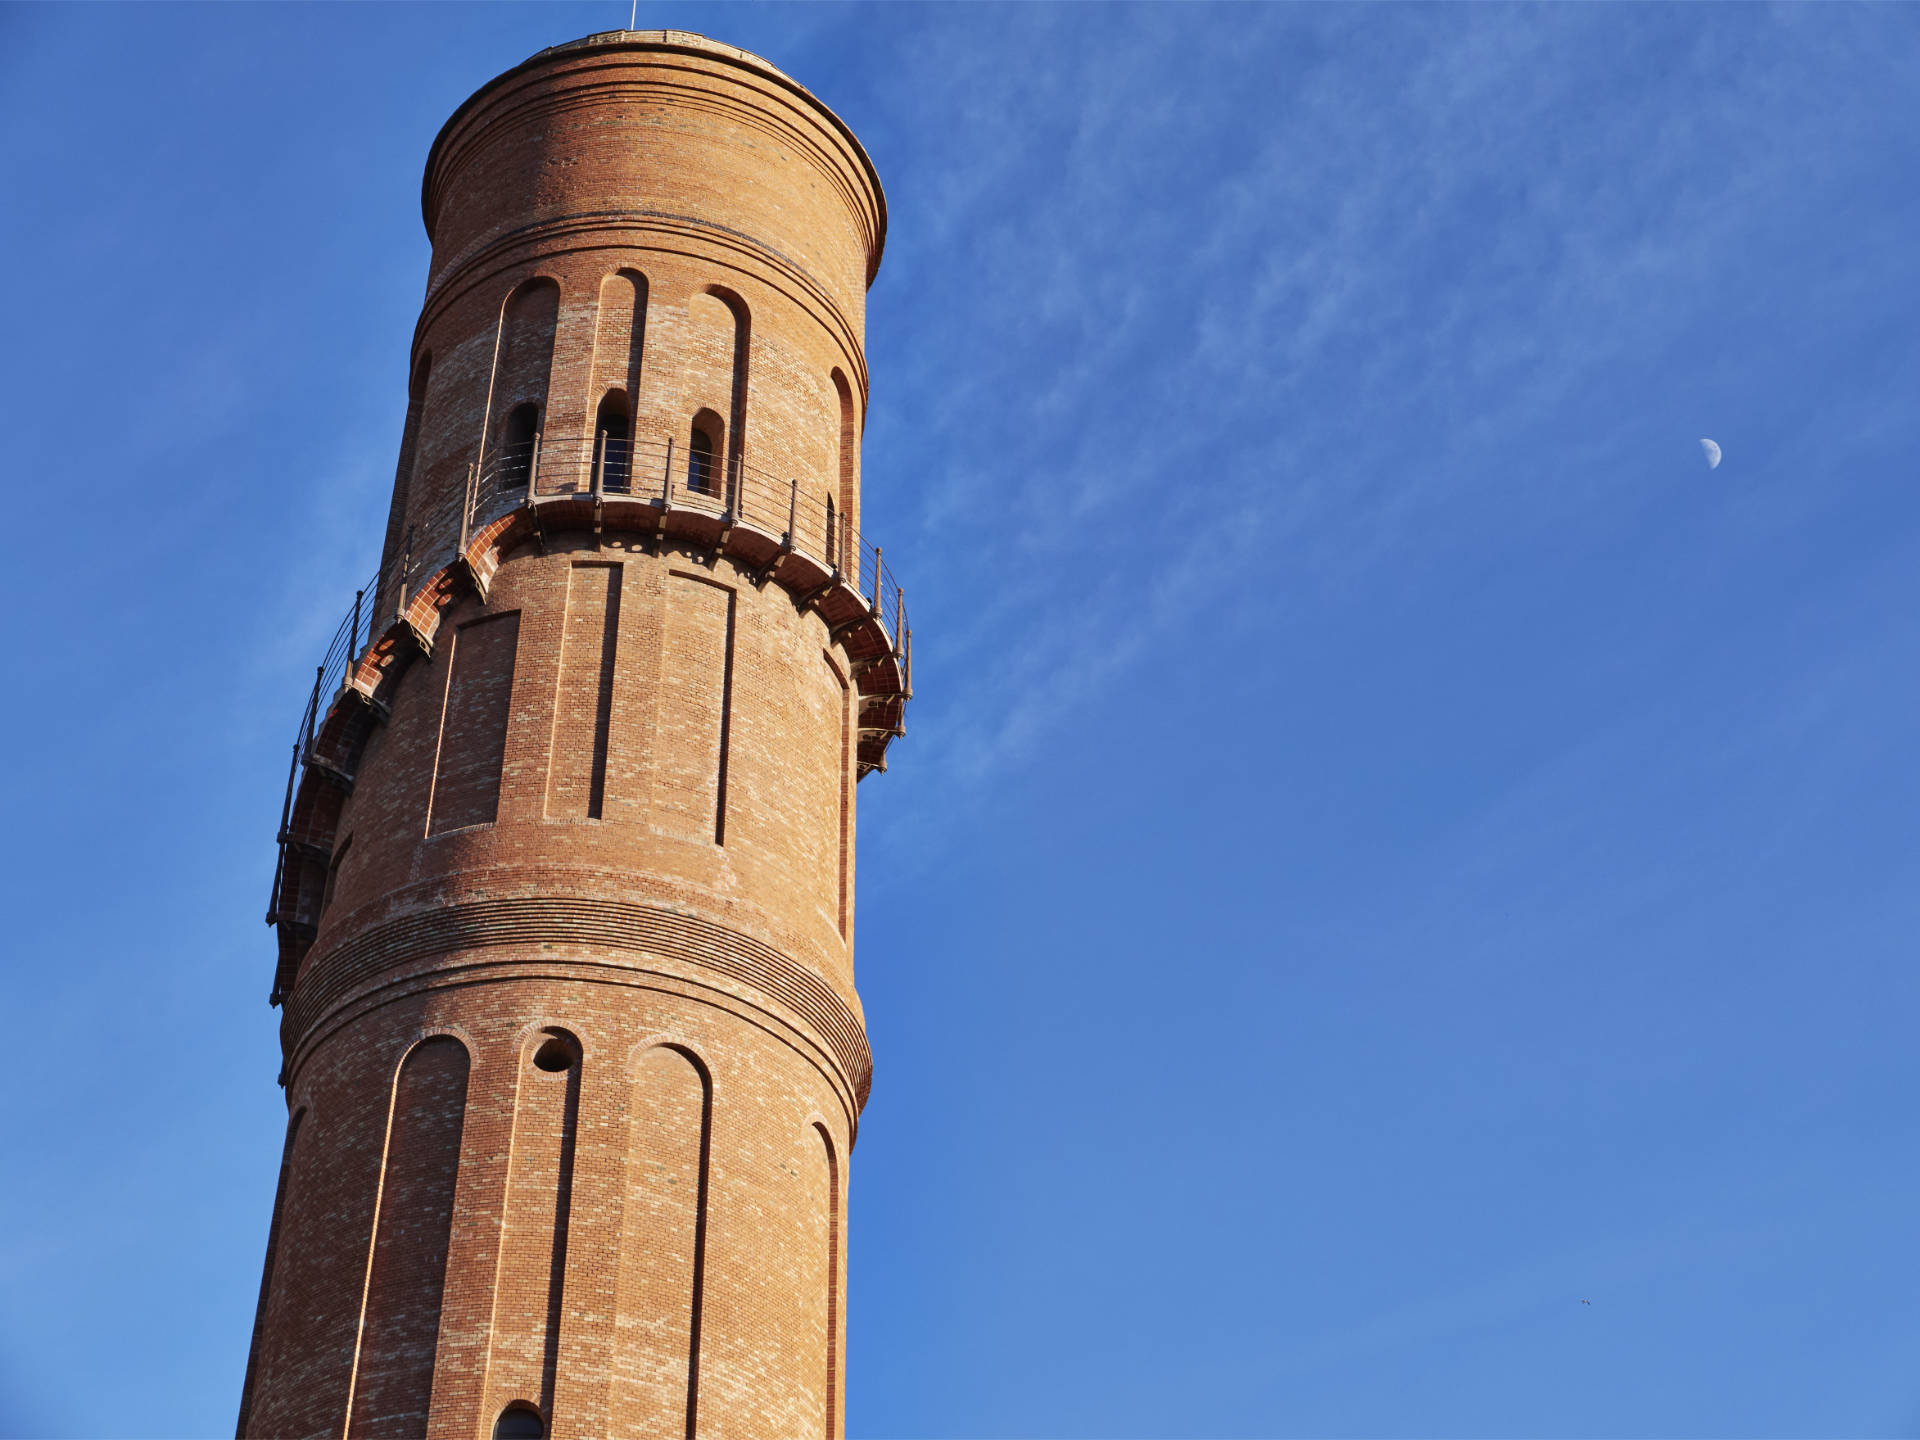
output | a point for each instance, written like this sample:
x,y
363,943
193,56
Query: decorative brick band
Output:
x,y
328,977
466,270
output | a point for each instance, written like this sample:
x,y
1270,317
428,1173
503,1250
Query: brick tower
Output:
x,y
573,1056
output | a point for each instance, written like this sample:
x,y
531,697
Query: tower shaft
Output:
x,y
573,1055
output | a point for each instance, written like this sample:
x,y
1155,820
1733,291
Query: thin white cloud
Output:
x,y
1136,313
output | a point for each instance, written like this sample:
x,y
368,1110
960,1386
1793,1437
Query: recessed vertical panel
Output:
x,y
656,1380
527,328
583,706
529,1297
844,798
473,725
393,1377
620,335
305,1370
266,1271
713,374
846,469
695,704
801,1293
816,1283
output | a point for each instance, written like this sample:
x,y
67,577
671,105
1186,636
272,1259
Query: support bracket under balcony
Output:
x,y
323,766
474,577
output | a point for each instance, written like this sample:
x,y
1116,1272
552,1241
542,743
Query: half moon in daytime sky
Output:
x,y
1713,454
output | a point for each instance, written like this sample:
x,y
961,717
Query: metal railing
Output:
x,y
661,472
673,474
350,640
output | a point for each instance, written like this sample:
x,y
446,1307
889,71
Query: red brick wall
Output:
x,y
612,811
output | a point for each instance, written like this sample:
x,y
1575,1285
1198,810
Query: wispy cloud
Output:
x,y
1325,292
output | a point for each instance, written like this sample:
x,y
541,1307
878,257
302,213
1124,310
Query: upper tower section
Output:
x,y
642,336
651,240
656,127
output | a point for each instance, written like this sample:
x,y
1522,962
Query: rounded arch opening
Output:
x,y
555,1052
519,1421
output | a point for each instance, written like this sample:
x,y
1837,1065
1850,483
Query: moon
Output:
x,y
1713,454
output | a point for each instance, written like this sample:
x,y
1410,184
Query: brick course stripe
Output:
x,y
327,978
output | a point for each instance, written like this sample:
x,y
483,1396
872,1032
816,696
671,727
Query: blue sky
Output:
x,y
1389,845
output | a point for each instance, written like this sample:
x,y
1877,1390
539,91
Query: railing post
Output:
x,y
353,636
286,806
793,512
533,469
600,467
313,703
877,572
406,569
666,478
286,814
899,619
466,510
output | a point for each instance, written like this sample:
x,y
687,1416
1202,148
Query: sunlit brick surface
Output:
x,y
574,1058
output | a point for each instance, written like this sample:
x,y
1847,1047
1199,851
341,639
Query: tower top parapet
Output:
x,y
666,43
670,39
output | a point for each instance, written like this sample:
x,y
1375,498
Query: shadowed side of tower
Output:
x,y
573,1054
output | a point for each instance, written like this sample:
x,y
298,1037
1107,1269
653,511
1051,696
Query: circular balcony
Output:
x,y
775,529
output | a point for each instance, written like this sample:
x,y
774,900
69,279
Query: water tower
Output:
x,y
573,1055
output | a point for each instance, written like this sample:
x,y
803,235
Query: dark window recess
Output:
x,y
613,444
556,1055
517,1422
700,464
516,449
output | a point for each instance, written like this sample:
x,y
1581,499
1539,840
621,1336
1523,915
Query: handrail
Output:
x,y
356,631
670,473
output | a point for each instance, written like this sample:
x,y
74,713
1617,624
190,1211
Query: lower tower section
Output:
x,y
571,1106
620,1218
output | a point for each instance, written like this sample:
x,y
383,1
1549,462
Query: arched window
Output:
x,y
517,445
847,454
701,477
519,1421
523,367
714,376
613,444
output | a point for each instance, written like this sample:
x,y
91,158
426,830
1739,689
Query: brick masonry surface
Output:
x,y
573,1054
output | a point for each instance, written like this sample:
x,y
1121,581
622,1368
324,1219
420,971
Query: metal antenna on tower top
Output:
x,y
633,13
